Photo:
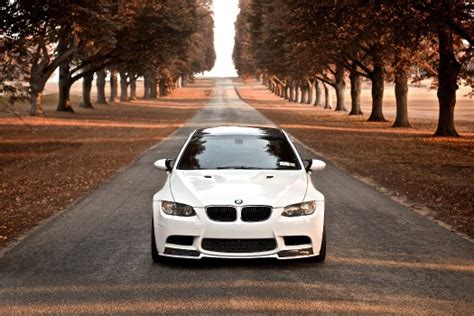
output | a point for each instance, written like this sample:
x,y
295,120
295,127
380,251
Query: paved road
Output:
x,y
95,257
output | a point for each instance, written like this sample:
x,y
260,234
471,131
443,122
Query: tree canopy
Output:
x,y
161,39
295,44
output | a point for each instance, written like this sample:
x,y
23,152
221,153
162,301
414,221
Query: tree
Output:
x,y
98,47
295,42
50,32
86,37
242,54
12,71
164,41
453,20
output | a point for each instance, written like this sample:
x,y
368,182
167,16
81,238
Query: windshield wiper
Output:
x,y
239,167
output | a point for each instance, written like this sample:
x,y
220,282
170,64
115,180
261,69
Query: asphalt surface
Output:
x,y
95,257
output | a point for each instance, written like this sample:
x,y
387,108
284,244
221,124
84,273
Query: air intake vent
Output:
x,y
180,240
222,213
238,245
296,240
256,213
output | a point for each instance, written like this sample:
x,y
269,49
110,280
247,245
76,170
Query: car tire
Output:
x,y
154,252
322,253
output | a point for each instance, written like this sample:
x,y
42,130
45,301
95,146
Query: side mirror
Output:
x,y
314,165
164,164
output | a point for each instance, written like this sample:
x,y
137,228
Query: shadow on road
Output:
x,y
211,263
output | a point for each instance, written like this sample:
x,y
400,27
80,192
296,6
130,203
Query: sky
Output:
x,y
225,13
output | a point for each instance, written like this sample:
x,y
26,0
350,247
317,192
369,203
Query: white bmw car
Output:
x,y
238,192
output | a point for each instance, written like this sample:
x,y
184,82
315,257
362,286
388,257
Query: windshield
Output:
x,y
238,152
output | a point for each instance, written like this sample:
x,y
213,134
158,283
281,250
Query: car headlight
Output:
x,y
177,209
300,209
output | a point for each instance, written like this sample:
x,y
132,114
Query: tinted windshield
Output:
x,y
238,152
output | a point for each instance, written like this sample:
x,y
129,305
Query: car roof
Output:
x,y
240,130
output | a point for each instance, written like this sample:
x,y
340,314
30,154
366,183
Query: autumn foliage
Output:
x,y
165,41
302,48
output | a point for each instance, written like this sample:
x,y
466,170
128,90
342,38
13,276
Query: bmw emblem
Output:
x,y
238,201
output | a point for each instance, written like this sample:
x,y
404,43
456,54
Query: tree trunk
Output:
x,y
113,86
123,87
377,78
169,87
327,97
355,93
297,94
310,92
184,80
401,96
146,87
304,93
37,83
448,71
287,95
100,84
317,84
65,82
36,103
133,88
41,70
86,91
340,87
153,88
291,94
313,93
162,85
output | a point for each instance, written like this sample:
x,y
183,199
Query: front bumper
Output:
x,y
277,228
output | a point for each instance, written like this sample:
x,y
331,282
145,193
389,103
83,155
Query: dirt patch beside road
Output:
x,y
432,175
58,158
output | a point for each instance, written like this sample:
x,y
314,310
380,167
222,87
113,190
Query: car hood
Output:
x,y
200,188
